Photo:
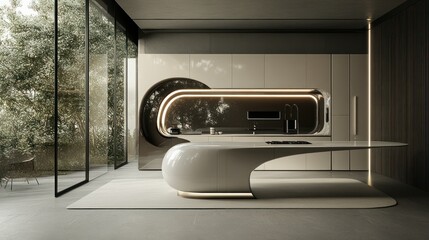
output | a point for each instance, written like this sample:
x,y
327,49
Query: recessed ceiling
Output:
x,y
255,14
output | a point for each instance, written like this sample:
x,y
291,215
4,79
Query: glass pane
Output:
x,y
101,46
120,98
132,101
26,89
71,93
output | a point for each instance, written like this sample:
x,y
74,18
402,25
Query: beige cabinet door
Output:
x,y
318,76
359,109
340,108
299,71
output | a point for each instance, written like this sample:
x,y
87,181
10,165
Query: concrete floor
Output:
x,y
31,212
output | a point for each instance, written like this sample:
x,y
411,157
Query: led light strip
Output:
x,y
214,195
369,100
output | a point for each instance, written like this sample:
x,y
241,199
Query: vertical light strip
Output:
x,y
369,100
87,140
56,120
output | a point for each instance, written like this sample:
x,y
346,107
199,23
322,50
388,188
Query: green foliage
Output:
x,y
27,80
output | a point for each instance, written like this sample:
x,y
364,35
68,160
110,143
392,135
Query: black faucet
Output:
x,y
291,122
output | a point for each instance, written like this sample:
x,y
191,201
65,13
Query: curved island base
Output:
x,y
223,169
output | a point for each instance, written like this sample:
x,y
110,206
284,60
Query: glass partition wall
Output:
x,y
70,95
101,54
119,148
92,40
132,102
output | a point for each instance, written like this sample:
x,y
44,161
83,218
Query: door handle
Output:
x,y
355,115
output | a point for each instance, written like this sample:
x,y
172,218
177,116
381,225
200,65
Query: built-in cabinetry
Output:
x,y
340,108
343,76
349,108
299,71
359,109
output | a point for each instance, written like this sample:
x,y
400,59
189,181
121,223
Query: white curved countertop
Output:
x,y
225,167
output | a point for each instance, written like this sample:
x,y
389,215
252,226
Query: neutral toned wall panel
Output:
x,y
318,161
154,68
285,71
340,132
359,88
248,71
340,109
340,84
215,70
359,160
319,71
297,162
359,118
340,160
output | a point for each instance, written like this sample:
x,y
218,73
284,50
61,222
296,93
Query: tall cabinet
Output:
x,y
350,108
359,109
340,108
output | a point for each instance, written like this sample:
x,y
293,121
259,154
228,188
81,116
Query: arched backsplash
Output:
x,y
245,112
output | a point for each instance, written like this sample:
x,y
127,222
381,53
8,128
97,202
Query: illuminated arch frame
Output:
x,y
315,94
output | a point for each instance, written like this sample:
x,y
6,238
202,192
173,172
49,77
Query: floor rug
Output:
x,y
269,193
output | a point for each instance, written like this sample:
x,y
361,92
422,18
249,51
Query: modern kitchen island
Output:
x,y
208,169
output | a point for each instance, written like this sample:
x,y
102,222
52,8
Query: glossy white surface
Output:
x,y
296,162
340,160
359,88
318,71
318,161
340,128
285,71
248,71
226,166
212,69
340,84
154,68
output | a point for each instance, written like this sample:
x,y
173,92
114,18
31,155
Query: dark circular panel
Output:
x,y
151,102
